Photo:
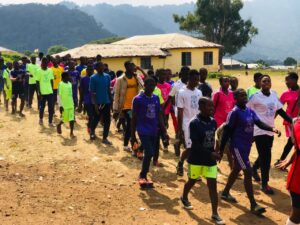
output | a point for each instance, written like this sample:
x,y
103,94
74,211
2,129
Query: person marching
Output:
x,y
265,104
187,105
66,103
202,159
239,128
32,69
7,85
147,116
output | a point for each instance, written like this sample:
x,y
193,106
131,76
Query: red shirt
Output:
x,y
223,105
293,179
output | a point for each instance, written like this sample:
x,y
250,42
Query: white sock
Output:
x,y
289,222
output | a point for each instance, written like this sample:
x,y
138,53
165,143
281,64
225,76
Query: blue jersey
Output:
x,y
241,121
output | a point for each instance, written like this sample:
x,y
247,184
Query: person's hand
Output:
x,y
61,109
215,156
283,165
31,75
138,68
277,132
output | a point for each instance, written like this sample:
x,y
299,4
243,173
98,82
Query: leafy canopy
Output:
x,y
219,21
56,49
289,61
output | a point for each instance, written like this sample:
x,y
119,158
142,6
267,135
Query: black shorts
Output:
x,y
19,93
295,200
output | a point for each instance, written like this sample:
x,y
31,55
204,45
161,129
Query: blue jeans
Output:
x,y
49,99
148,143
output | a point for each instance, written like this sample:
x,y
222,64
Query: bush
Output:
x,y
215,75
56,49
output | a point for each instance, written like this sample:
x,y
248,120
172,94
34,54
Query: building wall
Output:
x,y
172,62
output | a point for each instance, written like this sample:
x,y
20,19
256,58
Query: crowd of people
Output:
x,y
207,124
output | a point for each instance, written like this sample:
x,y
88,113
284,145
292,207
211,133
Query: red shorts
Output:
x,y
293,180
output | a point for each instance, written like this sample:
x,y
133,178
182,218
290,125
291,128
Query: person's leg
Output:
x,y
31,93
95,122
187,188
106,120
212,188
174,119
22,105
148,143
287,148
50,107
42,106
5,101
14,104
54,99
58,127
156,148
265,158
72,128
231,179
127,132
295,215
249,187
90,113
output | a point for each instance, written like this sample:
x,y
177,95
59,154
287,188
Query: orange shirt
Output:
x,y
131,92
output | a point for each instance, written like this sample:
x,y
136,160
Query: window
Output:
x,y
186,58
208,58
146,63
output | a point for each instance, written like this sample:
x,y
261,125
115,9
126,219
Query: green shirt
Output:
x,y
44,78
32,69
251,91
6,76
66,95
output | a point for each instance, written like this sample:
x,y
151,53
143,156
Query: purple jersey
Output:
x,y
147,111
84,85
75,79
242,121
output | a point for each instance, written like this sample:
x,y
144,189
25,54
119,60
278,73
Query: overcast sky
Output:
x,y
114,2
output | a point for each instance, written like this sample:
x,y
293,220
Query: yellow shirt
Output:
x,y
57,76
83,72
131,92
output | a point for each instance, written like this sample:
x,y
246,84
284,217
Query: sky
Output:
x,y
113,2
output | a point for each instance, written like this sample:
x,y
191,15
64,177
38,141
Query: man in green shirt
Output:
x,y
44,81
32,69
256,88
7,85
66,103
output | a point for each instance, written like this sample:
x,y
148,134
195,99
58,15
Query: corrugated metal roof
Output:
x,y
114,50
169,41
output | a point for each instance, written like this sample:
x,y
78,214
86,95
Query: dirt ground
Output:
x,y
50,179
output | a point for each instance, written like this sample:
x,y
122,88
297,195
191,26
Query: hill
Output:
x,y
31,26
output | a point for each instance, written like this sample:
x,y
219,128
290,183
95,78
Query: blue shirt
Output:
x,y
79,68
84,85
100,85
242,121
147,111
75,78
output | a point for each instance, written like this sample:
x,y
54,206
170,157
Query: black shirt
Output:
x,y
206,89
202,134
18,85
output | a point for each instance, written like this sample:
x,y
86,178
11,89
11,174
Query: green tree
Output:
x,y
289,61
27,53
219,21
56,49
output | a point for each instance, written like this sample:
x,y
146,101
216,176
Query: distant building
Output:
x,y
229,63
6,50
154,51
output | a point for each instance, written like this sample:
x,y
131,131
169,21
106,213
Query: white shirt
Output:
x,y
178,85
188,101
265,107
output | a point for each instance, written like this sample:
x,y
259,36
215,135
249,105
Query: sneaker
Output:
x,y
126,148
267,190
52,125
107,142
256,176
228,197
217,219
158,164
186,204
58,129
40,122
257,209
179,169
93,137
